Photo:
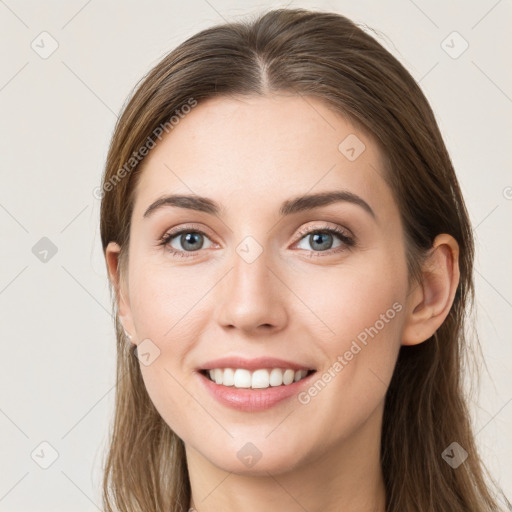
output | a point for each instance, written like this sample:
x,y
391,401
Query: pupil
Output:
x,y
190,238
317,238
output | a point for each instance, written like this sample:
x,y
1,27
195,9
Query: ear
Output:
x,y
119,284
430,301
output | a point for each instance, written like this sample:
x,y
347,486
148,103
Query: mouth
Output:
x,y
256,384
263,378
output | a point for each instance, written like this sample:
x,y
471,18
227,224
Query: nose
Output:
x,y
252,297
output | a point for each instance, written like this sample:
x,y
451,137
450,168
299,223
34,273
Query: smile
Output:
x,y
257,379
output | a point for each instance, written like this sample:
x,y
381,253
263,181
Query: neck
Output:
x,y
346,477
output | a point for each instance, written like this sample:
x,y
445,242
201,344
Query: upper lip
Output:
x,y
252,364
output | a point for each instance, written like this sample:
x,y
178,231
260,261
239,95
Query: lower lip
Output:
x,y
249,400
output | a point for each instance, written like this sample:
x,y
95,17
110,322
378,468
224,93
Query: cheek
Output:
x,y
163,299
169,315
168,391
362,307
348,299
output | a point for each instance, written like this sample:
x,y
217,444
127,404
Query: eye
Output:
x,y
322,240
185,240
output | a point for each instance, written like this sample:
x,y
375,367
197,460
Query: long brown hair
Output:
x,y
327,56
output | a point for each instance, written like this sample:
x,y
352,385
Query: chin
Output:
x,y
249,460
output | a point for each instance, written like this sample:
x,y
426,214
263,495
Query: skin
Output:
x,y
294,301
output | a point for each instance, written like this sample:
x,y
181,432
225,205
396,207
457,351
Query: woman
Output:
x,y
291,263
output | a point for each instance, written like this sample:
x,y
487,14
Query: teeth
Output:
x,y
228,378
276,377
242,379
258,379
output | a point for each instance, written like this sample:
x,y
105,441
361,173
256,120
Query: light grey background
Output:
x,y
57,374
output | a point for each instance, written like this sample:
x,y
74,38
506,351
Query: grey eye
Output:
x,y
190,241
319,241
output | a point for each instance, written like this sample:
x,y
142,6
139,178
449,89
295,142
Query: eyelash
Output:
x,y
348,241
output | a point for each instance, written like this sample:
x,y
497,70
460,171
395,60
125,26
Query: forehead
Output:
x,y
267,148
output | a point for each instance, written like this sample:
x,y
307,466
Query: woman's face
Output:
x,y
264,277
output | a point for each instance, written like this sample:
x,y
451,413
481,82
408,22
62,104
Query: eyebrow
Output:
x,y
294,205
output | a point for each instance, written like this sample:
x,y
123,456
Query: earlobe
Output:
x,y
112,253
430,302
